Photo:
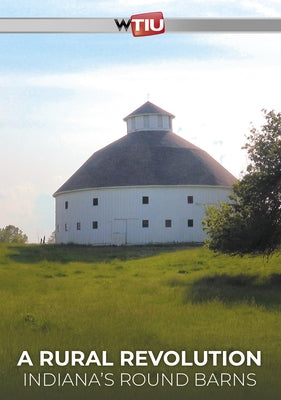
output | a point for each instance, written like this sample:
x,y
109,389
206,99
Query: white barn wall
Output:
x,y
120,213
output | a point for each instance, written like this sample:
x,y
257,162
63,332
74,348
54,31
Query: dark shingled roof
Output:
x,y
148,108
148,158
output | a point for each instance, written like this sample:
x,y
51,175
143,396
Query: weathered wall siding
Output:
x,y
120,213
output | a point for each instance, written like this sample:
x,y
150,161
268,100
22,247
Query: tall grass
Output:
x,y
137,298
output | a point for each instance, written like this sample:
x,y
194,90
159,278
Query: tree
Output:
x,y
251,221
12,234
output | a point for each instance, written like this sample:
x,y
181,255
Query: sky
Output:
x,y
64,96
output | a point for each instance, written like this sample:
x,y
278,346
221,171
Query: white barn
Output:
x,y
150,186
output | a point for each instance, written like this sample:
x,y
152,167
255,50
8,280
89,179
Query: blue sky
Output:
x,y
63,97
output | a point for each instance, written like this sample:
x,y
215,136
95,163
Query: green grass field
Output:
x,y
138,298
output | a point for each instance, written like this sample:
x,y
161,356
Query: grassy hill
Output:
x,y
137,298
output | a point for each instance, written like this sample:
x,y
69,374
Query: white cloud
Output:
x,y
126,3
211,102
263,8
16,205
259,48
101,8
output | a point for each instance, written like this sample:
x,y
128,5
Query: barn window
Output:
x,y
58,228
66,205
145,199
190,223
190,199
95,201
146,121
95,224
168,223
133,119
145,223
78,226
66,227
160,121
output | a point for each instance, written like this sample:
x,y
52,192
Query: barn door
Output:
x,y
119,232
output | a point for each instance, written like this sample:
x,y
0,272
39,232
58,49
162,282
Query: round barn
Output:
x,y
150,186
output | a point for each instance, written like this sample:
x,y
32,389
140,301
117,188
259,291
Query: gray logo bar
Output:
x,y
109,25
223,25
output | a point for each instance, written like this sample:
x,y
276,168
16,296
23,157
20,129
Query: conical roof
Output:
x,y
148,108
148,158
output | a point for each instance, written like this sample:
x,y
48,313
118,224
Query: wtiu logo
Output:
x,y
146,24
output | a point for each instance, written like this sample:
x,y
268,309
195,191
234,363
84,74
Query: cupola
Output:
x,y
149,117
